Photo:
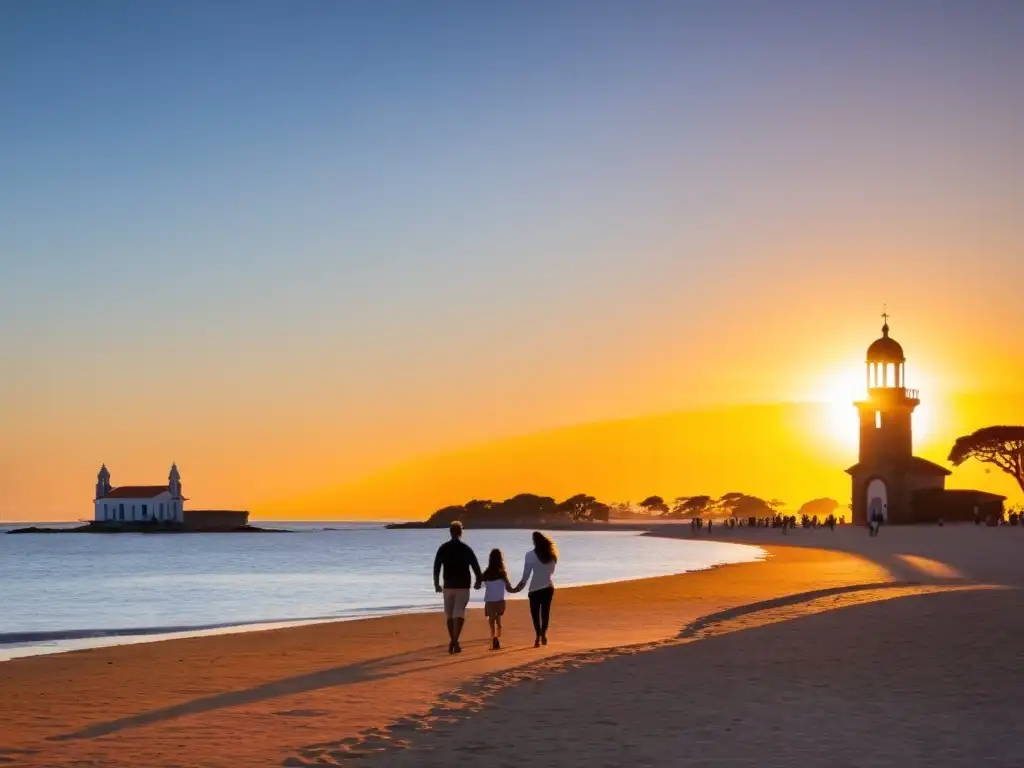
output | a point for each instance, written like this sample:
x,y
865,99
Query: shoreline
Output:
x,y
72,640
149,530
621,525
326,693
290,688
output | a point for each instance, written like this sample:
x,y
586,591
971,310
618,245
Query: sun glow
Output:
x,y
840,391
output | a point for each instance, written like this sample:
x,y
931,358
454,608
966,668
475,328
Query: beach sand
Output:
x,y
900,650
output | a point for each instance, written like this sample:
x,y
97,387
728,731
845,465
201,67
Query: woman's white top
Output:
x,y
494,591
540,572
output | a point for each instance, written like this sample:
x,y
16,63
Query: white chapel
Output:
x,y
139,503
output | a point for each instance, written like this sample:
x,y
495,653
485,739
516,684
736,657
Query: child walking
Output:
x,y
496,583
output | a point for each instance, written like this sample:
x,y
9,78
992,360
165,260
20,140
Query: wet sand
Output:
x,y
838,645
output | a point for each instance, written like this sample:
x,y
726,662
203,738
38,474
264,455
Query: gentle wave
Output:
x,y
20,638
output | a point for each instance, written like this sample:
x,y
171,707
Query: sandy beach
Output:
x,y
838,649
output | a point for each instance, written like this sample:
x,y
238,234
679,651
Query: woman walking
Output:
x,y
538,569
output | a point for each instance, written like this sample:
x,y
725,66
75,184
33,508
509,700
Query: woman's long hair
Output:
x,y
495,570
545,548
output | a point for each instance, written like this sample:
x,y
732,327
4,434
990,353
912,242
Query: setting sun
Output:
x,y
839,391
848,384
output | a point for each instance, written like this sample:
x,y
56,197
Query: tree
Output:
x,y
527,507
1001,446
692,506
477,511
741,505
446,515
600,512
654,504
575,507
822,507
582,508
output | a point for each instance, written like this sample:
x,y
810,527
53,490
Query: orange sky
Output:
x,y
790,451
297,462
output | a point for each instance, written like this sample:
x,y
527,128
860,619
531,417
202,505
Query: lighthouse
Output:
x,y
887,474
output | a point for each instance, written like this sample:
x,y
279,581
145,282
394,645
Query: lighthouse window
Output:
x,y
878,419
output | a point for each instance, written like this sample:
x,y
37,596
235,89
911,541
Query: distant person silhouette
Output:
x,y
538,569
875,521
455,559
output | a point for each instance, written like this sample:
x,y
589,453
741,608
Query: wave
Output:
x,y
57,635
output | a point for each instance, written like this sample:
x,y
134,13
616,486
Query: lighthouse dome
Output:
x,y
885,349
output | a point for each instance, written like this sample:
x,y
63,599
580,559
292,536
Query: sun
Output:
x,y
839,391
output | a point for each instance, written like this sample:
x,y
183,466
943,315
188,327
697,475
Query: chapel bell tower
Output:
x,y
103,482
886,433
887,474
174,482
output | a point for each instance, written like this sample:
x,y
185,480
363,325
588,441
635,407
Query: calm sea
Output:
x,y
61,592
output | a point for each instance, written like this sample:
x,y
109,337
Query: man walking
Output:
x,y
455,559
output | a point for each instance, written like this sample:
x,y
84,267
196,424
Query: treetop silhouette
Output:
x,y
1002,446
654,504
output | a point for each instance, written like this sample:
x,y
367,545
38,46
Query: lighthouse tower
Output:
x,y
887,474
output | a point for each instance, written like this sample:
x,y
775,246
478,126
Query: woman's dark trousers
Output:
x,y
540,609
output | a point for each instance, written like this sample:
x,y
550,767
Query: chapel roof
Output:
x,y
963,493
917,466
925,467
136,492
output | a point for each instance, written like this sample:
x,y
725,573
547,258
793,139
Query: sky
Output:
x,y
300,247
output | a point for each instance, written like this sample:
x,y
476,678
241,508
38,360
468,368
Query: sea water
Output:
x,y
66,591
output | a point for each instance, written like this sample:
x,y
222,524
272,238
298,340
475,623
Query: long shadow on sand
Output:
x,y
374,669
927,681
471,697
411,661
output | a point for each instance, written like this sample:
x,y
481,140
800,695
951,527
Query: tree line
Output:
x,y
532,509
733,505
1000,446
524,509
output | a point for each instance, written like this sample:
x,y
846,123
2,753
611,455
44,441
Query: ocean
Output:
x,y
66,591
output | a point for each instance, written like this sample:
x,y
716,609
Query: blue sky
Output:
x,y
221,148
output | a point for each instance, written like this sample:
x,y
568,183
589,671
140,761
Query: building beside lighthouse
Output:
x,y
888,477
139,503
